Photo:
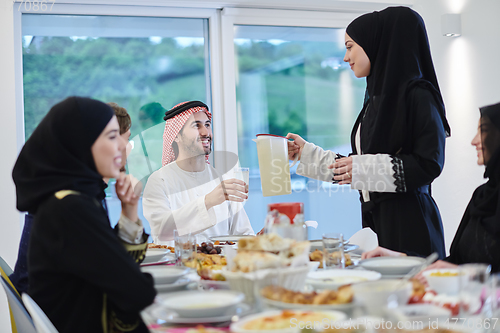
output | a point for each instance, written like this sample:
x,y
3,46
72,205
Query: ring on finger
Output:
x,y
348,175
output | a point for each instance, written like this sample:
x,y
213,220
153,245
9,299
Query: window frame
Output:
x,y
268,17
221,24
212,15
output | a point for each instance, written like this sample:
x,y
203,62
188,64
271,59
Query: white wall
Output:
x,y
467,69
468,72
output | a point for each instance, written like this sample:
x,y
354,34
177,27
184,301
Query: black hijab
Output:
x,y
395,41
485,203
58,154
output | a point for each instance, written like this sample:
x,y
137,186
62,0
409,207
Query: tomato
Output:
x,y
455,308
416,298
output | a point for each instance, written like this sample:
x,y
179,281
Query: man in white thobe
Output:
x,y
187,194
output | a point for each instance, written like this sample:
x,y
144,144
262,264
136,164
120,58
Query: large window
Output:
x,y
145,64
293,79
260,71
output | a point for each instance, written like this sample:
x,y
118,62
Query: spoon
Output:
x,y
392,300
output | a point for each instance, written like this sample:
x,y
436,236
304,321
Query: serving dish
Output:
x,y
165,274
391,265
213,303
443,280
347,307
229,238
172,317
154,255
334,278
286,321
180,284
374,295
423,313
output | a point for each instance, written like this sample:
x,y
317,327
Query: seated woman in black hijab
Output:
x,y
19,276
398,139
80,272
478,236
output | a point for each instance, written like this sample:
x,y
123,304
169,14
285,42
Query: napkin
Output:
x,y
312,224
366,239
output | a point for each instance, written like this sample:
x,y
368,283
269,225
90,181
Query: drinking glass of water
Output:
x,y
185,248
242,174
333,250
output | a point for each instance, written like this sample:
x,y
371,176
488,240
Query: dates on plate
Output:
x,y
208,248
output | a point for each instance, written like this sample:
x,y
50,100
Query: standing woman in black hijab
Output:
x,y
79,270
478,236
398,140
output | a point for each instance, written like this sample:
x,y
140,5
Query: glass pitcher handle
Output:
x,y
295,161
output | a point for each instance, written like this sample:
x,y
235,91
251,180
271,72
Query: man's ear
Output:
x,y
176,139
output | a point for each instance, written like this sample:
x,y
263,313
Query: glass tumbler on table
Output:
x,y
494,304
242,174
473,284
185,248
333,250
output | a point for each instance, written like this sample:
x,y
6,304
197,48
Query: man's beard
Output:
x,y
195,149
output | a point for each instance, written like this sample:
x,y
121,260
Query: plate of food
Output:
x,y
285,321
160,246
281,298
317,255
202,260
334,278
391,265
229,238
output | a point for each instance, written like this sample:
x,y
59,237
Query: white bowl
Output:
x,y
180,284
154,255
190,304
165,274
374,294
391,265
345,307
291,326
421,313
292,278
443,284
334,278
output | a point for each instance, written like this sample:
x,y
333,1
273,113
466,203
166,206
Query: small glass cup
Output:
x,y
185,248
495,303
473,284
491,305
244,175
333,250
